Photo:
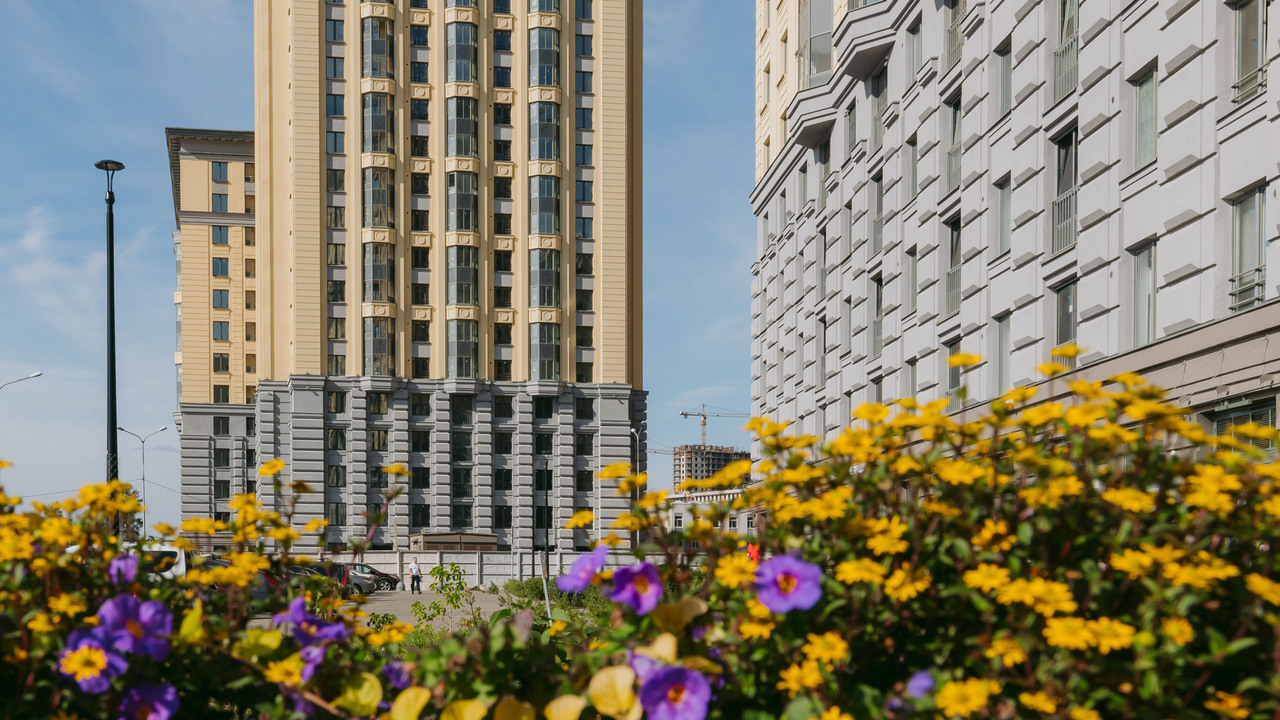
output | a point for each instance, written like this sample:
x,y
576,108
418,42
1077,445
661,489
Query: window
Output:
x,y
379,198
584,337
1144,295
377,402
334,142
421,368
544,408
544,131
583,264
1004,217
584,372
542,479
544,278
460,447
1144,120
336,476
542,443
222,362
219,234
582,9
419,515
502,40
582,155
502,260
502,296
333,105
460,52
221,330
909,379
584,300
1248,259
677,520
250,426
950,350
953,115
420,478
1002,352
250,236
1251,33
877,213
910,281
460,485
910,167
503,407
336,512
850,129
221,299
582,118
582,81
420,258
1261,413
460,409
501,513
337,328
336,254
584,228
419,221
1004,69
549,6
420,294
418,35
337,365
953,260
250,267
221,426
502,114
419,72
461,127
583,481
336,217
1064,314
1064,205
584,191
463,264
219,203
502,7
583,444
582,45
877,316
584,408
419,146
420,404
502,151
379,272
333,30
333,68
337,291
544,57
221,394
463,201
378,439
335,439
541,514
501,76
419,110
336,402
463,348
915,51
219,170
420,441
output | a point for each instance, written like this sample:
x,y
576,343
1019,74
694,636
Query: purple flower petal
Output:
x,y
644,667
312,657
398,674
116,664
133,627
920,684
149,700
675,693
583,570
123,569
785,583
638,586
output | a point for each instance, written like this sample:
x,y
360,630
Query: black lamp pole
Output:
x,y
113,440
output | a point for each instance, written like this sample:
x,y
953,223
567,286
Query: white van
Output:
x,y
157,560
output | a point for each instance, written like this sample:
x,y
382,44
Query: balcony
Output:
x,y
1064,221
1248,289
1250,86
1066,69
877,233
877,336
953,168
953,291
877,131
955,38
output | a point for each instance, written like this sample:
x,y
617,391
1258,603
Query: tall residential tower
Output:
x,y
449,257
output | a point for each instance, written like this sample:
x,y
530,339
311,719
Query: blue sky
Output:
x,y
114,75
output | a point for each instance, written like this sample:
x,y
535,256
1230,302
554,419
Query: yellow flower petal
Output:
x,y
612,690
565,707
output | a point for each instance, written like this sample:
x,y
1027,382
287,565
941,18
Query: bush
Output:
x,y
1098,556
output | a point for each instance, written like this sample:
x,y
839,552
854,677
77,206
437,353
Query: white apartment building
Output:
x,y
1001,177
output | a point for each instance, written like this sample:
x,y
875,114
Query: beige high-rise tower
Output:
x,y
449,261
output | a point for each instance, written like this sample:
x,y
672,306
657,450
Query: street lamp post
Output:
x,y
143,439
32,375
111,167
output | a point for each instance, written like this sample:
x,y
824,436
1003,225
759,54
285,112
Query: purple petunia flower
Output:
x,y
643,666
786,583
675,693
399,674
920,684
307,628
123,569
92,682
638,586
312,656
134,627
150,701
583,569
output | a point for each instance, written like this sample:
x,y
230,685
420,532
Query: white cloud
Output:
x,y
52,277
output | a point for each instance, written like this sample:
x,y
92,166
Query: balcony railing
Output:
x,y
1064,221
877,336
1250,85
877,233
1248,289
953,291
877,132
953,168
955,38
1066,68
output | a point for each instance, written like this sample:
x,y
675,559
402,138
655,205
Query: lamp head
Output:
x,y
35,375
109,165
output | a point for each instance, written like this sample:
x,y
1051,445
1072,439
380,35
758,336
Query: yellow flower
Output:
x,y
736,570
1111,634
565,707
1008,650
580,519
15,545
1113,433
987,577
752,630
396,469
993,536
860,570
1128,379
827,648
85,663
1201,573
1051,368
1069,350
465,710
963,360
1084,415
764,427
615,471
203,526
1178,630
59,531
612,690
315,525
963,698
1130,499
797,678
940,508
958,472
1229,705
1079,713
873,413
1039,701
834,713
907,582
1264,588
271,468
1271,506
1072,633
556,628
284,534
886,545
1050,597
288,670
165,529
1162,553
41,623
67,604
4,464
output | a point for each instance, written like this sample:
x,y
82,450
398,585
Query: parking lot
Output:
x,y
399,602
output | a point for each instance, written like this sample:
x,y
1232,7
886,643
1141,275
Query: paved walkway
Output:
x,y
399,602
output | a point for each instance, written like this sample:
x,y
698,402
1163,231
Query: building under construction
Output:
x,y
698,462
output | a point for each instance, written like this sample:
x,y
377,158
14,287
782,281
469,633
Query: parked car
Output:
x,y
364,579
339,572
382,580
264,586
166,561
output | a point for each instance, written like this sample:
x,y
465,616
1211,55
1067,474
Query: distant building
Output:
x,y
698,462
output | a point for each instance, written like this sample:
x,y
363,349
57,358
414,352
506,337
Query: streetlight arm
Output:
x,y
29,377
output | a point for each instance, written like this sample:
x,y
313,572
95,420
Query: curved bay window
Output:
x,y
464,264
379,272
379,123
544,205
464,201
544,131
462,127
549,6
544,351
544,278
544,57
463,347
379,346
379,48
460,52
379,198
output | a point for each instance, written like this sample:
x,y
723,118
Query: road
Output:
x,y
399,602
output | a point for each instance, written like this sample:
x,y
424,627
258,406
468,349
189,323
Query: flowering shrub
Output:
x,y
1095,557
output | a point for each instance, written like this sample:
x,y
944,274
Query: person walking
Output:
x,y
415,577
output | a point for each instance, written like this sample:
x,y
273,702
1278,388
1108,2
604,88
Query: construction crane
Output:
x,y
704,415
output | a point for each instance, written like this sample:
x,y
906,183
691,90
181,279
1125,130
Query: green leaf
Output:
x,y
1239,645
802,708
757,714
499,615
360,694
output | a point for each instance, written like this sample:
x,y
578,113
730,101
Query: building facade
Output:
x,y
699,462
449,231
1002,177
